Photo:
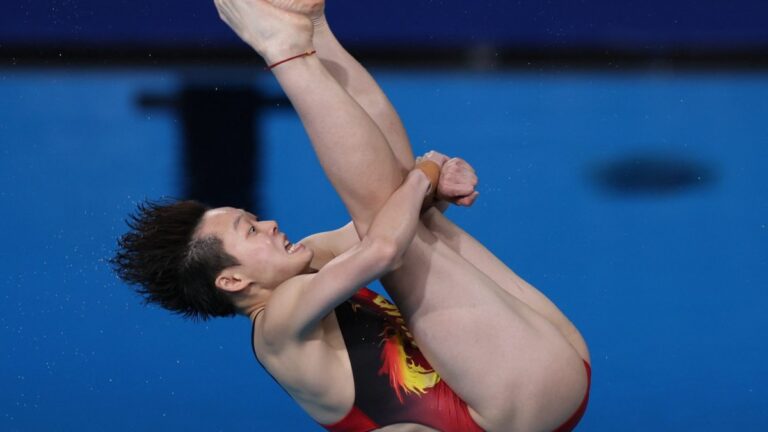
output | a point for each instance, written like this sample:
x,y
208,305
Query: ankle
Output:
x,y
278,58
297,58
276,51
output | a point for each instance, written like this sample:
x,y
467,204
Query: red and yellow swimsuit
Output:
x,y
394,383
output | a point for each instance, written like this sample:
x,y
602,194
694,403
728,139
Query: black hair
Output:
x,y
169,264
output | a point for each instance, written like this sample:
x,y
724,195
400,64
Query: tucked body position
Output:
x,y
468,345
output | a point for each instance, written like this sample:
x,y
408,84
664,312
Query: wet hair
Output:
x,y
171,266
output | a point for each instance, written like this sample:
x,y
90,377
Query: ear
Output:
x,y
231,281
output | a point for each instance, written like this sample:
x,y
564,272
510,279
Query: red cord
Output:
x,y
304,54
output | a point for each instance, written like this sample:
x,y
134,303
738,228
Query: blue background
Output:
x,y
668,288
654,26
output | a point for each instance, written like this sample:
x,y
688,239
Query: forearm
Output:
x,y
395,224
356,80
379,252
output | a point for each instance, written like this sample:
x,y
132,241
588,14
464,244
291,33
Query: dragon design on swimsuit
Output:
x,y
404,372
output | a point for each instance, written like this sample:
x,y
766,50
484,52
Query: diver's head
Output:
x,y
172,266
265,257
202,262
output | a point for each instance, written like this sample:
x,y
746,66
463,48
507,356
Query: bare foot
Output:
x,y
273,32
310,8
314,9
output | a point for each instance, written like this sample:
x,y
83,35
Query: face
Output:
x,y
266,255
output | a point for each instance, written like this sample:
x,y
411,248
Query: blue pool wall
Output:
x,y
668,287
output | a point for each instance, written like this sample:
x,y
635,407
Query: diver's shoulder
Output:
x,y
294,282
276,320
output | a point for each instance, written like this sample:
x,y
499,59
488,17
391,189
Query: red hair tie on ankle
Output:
x,y
304,54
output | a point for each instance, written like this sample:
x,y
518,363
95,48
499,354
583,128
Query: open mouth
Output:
x,y
292,248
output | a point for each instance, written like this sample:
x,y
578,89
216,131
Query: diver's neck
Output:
x,y
250,303
256,298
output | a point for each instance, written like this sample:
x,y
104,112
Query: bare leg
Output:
x,y
485,261
492,399
356,80
336,124
511,365
364,89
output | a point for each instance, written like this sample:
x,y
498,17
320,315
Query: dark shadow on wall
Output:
x,y
221,143
651,174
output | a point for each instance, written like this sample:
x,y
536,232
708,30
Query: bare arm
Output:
x,y
296,310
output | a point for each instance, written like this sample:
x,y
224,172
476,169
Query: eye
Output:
x,y
252,229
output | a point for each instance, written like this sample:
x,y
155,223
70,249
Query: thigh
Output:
x,y
485,261
504,359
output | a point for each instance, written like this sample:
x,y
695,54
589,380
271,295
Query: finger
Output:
x,y
460,175
460,168
463,164
468,200
436,157
460,189
473,180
